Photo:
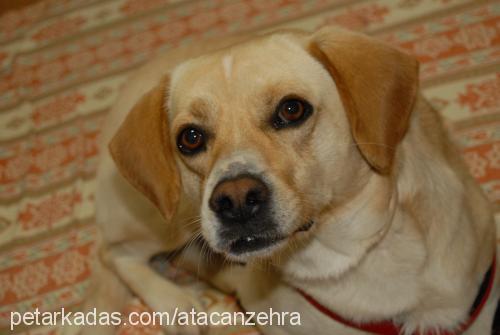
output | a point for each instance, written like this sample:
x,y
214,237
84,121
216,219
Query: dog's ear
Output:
x,y
378,86
143,154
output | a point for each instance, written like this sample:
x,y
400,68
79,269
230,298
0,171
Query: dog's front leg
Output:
x,y
160,294
108,295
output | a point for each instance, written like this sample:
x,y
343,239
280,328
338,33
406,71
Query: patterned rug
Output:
x,y
62,63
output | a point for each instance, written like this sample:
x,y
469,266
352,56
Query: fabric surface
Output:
x,y
62,63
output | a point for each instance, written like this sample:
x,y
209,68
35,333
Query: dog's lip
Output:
x,y
305,227
252,243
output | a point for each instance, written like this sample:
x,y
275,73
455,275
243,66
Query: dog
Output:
x,y
312,165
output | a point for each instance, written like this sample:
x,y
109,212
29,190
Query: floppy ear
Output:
x,y
143,154
377,84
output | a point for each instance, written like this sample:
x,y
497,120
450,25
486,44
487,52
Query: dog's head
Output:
x,y
269,135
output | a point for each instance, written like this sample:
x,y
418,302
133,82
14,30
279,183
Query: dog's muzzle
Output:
x,y
242,205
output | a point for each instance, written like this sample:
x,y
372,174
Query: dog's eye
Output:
x,y
190,140
291,112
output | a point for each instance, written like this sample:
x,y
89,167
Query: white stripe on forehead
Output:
x,y
227,64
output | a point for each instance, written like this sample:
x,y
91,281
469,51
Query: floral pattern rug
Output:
x,y
62,63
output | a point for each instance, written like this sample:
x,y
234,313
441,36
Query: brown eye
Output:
x,y
191,140
291,112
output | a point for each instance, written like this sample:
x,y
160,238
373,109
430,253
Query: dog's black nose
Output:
x,y
239,199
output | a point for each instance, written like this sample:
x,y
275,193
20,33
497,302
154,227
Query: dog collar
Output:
x,y
389,328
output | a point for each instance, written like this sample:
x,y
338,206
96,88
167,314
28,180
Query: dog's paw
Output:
x,y
434,321
184,330
179,315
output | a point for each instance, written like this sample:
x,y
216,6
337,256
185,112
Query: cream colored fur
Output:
x,y
411,244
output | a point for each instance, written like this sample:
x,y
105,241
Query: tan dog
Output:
x,y
314,159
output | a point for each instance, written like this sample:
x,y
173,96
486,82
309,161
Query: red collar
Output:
x,y
389,328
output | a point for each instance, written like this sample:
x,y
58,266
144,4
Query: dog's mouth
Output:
x,y
305,227
255,243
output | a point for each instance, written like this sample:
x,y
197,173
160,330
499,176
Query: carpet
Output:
x,y
62,63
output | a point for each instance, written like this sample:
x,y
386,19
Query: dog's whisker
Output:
x,y
192,224
192,240
204,256
191,220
